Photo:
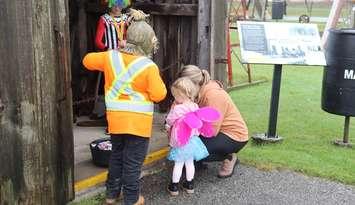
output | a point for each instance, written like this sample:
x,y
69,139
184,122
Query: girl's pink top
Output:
x,y
176,114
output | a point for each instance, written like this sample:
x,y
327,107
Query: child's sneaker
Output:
x,y
188,186
140,200
173,189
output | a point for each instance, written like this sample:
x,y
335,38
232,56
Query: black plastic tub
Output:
x,y
100,157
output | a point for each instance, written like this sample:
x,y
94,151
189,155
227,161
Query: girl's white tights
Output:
x,y
189,167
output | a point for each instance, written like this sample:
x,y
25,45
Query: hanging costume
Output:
x,y
111,30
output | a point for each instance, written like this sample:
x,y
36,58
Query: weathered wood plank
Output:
x,y
188,40
203,34
159,25
94,7
219,20
168,9
32,122
82,29
65,139
212,39
171,57
152,8
160,58
194,46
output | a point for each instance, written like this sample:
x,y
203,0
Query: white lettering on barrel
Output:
x,y
349,74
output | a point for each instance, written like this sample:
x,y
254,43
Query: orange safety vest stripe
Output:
x,y
123,77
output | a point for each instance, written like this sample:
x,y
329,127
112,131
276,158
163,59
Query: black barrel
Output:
x,y
278,9
338,93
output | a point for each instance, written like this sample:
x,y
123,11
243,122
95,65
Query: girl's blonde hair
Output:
x,y
184,86
198,76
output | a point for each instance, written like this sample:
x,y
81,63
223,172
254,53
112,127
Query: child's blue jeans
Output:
x,y
128,154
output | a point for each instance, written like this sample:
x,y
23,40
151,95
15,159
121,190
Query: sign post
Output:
x,y
274,103
278,44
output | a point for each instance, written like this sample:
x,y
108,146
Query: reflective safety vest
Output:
x,y
122,85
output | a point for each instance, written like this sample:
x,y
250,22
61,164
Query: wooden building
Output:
x,y
42,44
189,32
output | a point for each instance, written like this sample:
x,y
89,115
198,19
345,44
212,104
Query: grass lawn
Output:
x,y
308,131
318,9
96,200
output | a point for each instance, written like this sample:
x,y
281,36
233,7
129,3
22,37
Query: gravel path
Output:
x,y
250,186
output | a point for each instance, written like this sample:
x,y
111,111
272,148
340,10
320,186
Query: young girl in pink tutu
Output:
x,y
185,122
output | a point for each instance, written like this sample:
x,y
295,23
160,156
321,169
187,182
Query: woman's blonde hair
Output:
x,y
184,86
198,76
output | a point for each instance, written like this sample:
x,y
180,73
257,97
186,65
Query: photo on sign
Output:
x,y
280,43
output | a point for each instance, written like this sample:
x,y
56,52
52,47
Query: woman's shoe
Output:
x,y
228,166
188,186
173,189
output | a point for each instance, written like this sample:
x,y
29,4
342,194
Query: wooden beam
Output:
x,y
153,8
168,9
91,7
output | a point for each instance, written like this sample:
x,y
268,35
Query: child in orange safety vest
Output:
x,y
132,85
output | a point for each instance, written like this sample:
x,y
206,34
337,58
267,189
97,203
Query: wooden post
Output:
x,y
203,33
352,19
65,137
218,51
213,38
36,146
332,20
260,7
